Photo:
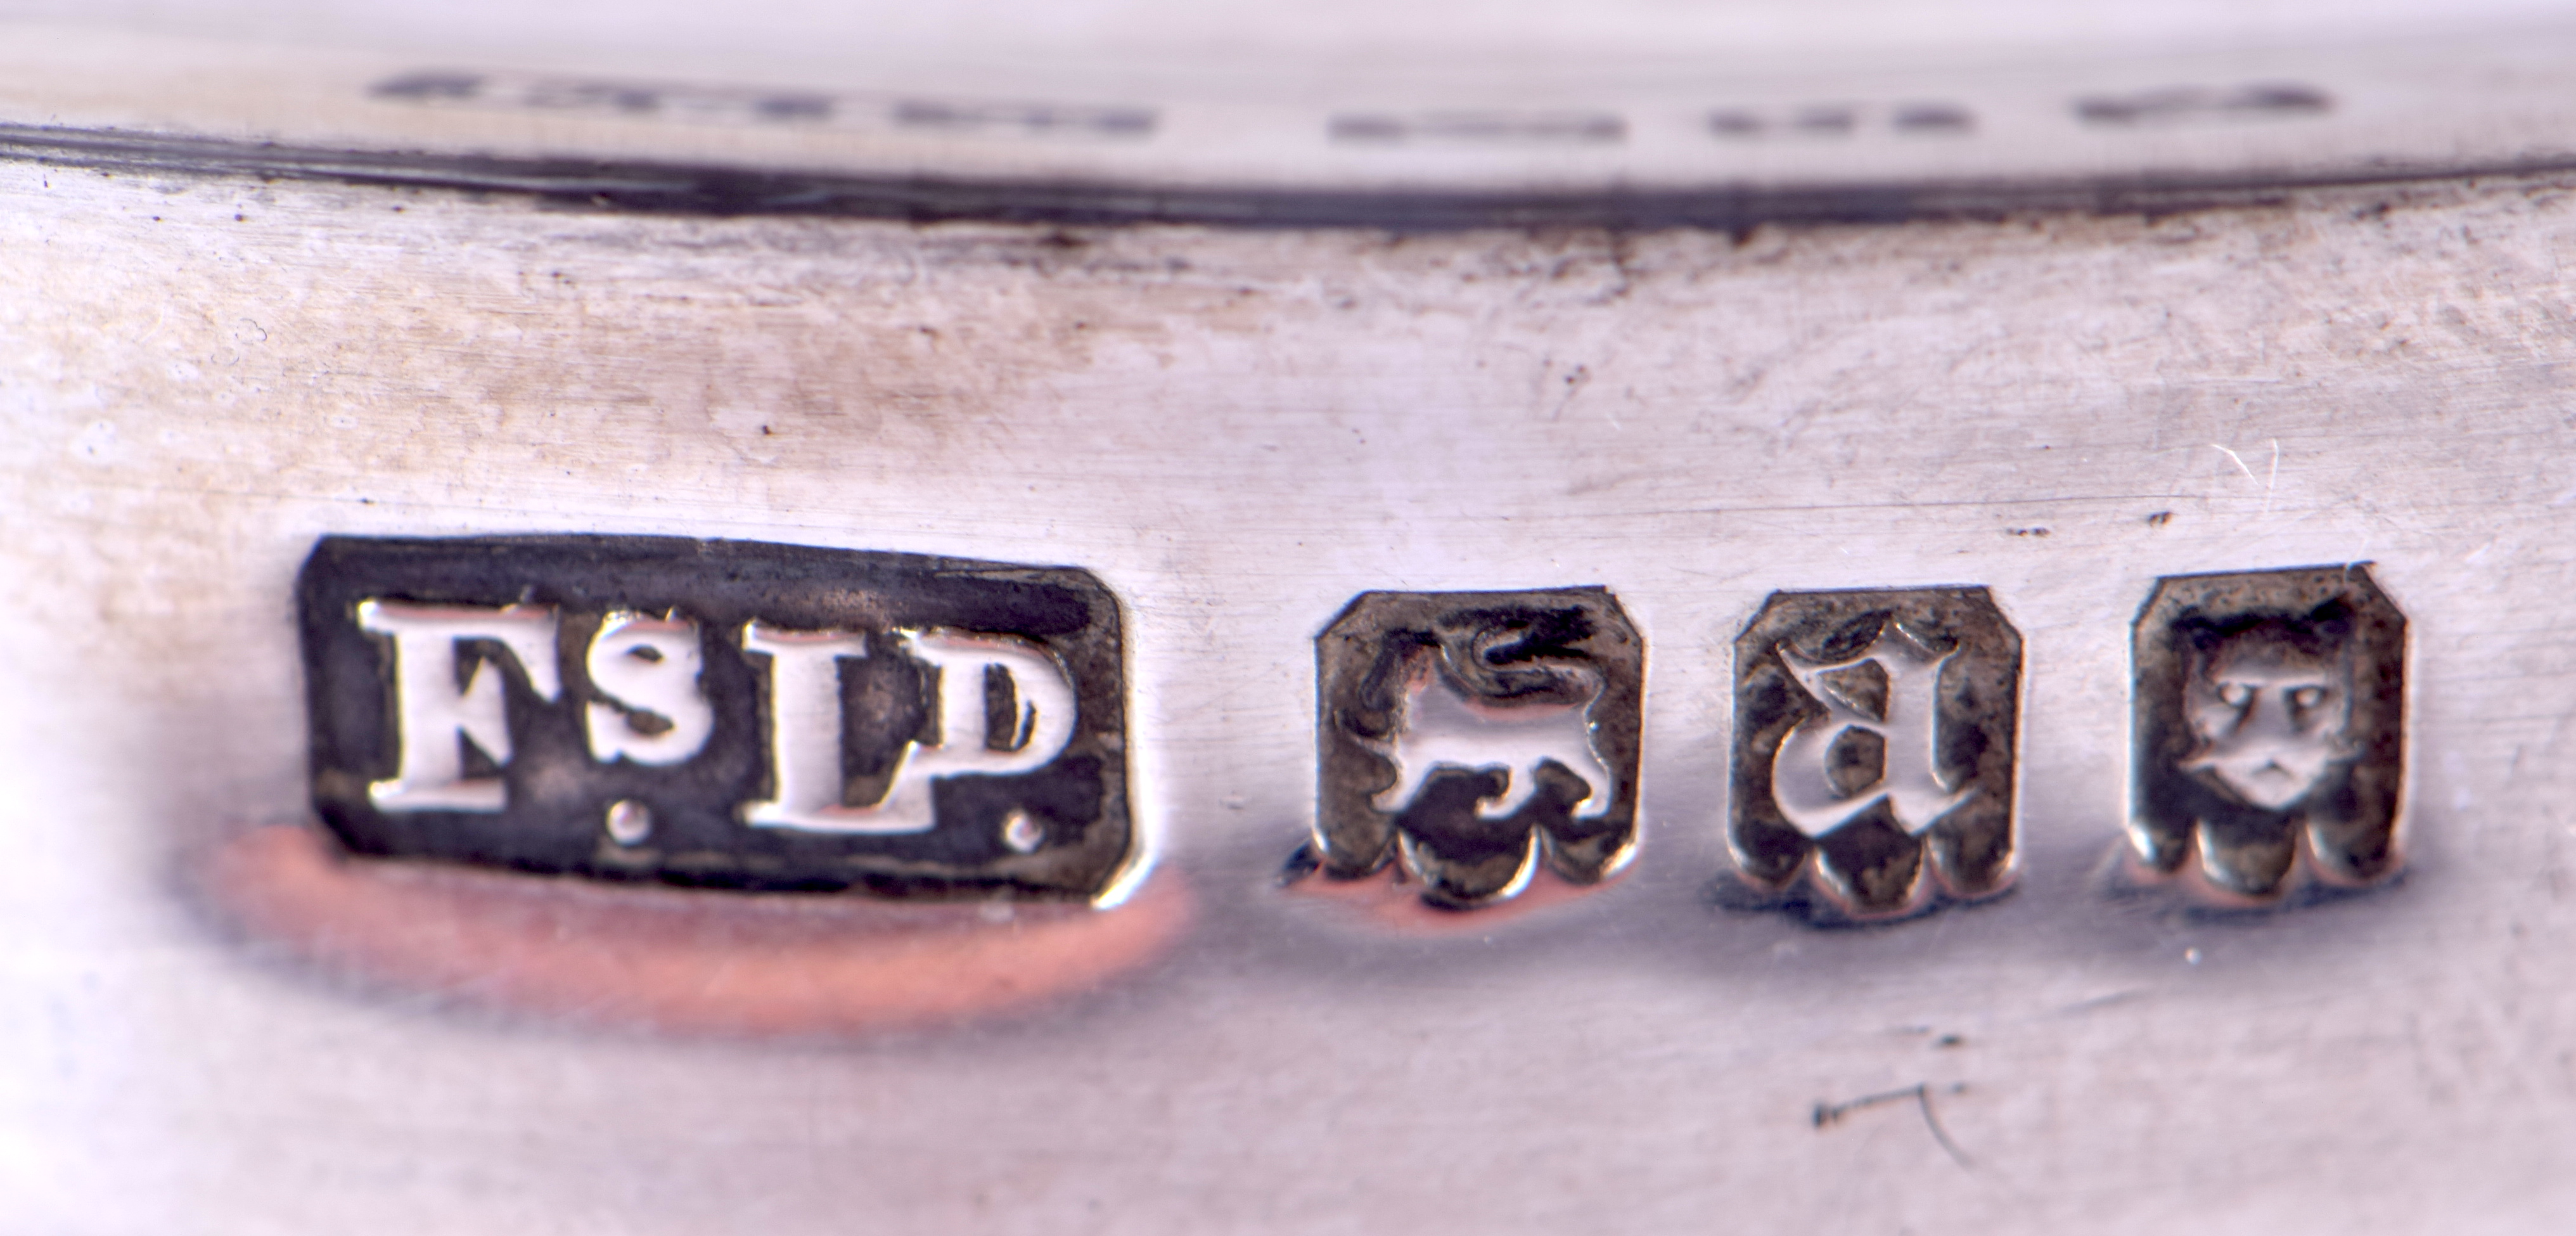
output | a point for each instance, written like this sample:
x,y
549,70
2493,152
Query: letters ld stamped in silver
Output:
x,y
721,714
1475,736
1875,740
2269,722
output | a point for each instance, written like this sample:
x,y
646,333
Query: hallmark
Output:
x,y
2269,729
1476,737
746,105
718,713
1874,749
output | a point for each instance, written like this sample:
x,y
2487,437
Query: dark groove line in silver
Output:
x,y
712,190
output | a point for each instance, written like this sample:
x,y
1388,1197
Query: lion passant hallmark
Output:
x,y
1474,738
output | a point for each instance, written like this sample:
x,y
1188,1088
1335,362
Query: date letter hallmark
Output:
x,y
1875,736
719,714
1476,737
2269,728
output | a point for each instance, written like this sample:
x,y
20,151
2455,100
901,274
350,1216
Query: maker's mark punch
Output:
x,y
718,713
1474,737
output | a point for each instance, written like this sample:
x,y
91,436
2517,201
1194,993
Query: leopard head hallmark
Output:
x,y
1874,751
2269,724
1476,738
2271,710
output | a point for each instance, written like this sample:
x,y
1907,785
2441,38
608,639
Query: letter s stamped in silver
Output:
x,y
719,713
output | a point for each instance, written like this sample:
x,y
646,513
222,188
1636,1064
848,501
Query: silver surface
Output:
x,y
1128,99
1238,431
